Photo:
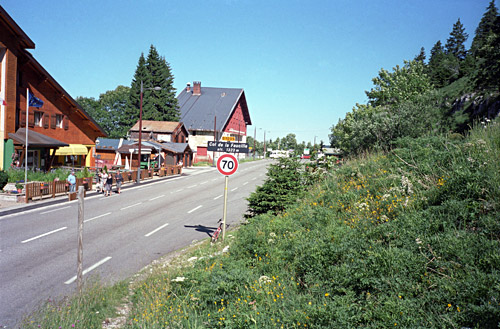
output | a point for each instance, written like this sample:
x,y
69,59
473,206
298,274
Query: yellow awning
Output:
x,y
72,149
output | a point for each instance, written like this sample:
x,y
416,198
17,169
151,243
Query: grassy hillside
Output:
x,y
407,239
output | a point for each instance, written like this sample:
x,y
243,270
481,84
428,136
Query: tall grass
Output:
x,y
86,310
407,239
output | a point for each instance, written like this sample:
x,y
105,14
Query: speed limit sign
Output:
x,y
227,164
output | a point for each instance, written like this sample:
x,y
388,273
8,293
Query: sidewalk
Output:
x,y
8,207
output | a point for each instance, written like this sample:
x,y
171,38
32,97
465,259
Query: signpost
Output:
x,y
226,165
227,147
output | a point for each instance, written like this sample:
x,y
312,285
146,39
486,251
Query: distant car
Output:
x,y
305,156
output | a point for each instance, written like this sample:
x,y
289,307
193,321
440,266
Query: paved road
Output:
x,y
122,233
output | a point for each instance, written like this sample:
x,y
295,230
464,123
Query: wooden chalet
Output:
x,y
213,114
60,132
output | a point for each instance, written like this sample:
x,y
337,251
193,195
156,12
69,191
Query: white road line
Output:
x,y
93,267
213,180
245,183
204,182
88,220
154,231
254,178
218,197
45,234
46,212
179,190
160,196
234,189
190,211
193,186
132,205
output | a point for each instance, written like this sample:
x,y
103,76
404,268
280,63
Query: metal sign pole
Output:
x,y
225,211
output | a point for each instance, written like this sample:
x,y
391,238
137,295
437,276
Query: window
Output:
x,y
38,118
59,120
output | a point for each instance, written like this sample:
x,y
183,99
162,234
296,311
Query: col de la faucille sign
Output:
x,y
227,147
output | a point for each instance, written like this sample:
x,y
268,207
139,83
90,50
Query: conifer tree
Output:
x,y
485,27
159,105
421,56
488,76
132,110
455,44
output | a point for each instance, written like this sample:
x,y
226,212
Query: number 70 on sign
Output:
x,y
227,164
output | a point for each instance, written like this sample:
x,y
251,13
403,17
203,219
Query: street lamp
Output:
x,y
140,130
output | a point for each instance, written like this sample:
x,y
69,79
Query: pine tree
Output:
x,y
440,66
159,105
421,56
132,110
488,76
485,27
455,44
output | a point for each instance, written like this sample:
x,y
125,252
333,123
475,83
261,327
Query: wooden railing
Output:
x,y
41,190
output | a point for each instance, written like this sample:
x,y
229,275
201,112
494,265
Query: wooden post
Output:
x,y
79,269
225,211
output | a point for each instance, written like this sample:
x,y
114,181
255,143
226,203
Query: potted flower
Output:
x,y
19,187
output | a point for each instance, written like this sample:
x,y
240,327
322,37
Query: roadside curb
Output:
x,y
64,198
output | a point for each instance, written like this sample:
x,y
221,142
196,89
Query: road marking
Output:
x,y
217,197
88,220
160,196
193,186
132,205
204,182
45,234
153,232
194,209
93,267
245,183
254,178
234,189
46,212
179,190
213,180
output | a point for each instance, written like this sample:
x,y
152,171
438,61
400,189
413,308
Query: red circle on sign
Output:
x,y
227,164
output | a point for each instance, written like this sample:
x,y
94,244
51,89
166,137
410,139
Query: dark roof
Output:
x,y
125,148
176,147
35,139
198,111
21,37
110,143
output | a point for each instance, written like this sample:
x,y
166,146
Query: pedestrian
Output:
x,y
104,177
109,183
98,185
119,181
72,182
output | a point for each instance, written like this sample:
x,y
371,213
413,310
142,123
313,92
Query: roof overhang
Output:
x,y
35,139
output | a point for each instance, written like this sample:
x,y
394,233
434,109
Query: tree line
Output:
x,y
423,97
116,111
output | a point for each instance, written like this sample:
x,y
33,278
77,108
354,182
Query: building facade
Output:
x,y
213,114
60,118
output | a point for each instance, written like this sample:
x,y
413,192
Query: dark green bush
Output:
x,y
4,178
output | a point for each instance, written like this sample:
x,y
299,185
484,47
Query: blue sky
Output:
x,y
303,64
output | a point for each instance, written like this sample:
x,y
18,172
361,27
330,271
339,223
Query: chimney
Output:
x,y
188,87
197,88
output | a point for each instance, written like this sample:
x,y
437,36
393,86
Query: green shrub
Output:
x,y
4,178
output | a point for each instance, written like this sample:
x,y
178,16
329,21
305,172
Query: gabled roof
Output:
x,y
21,37
157,126
110,144
176,147
198,111
35,139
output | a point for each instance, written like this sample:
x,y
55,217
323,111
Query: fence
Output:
x,y
41,190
